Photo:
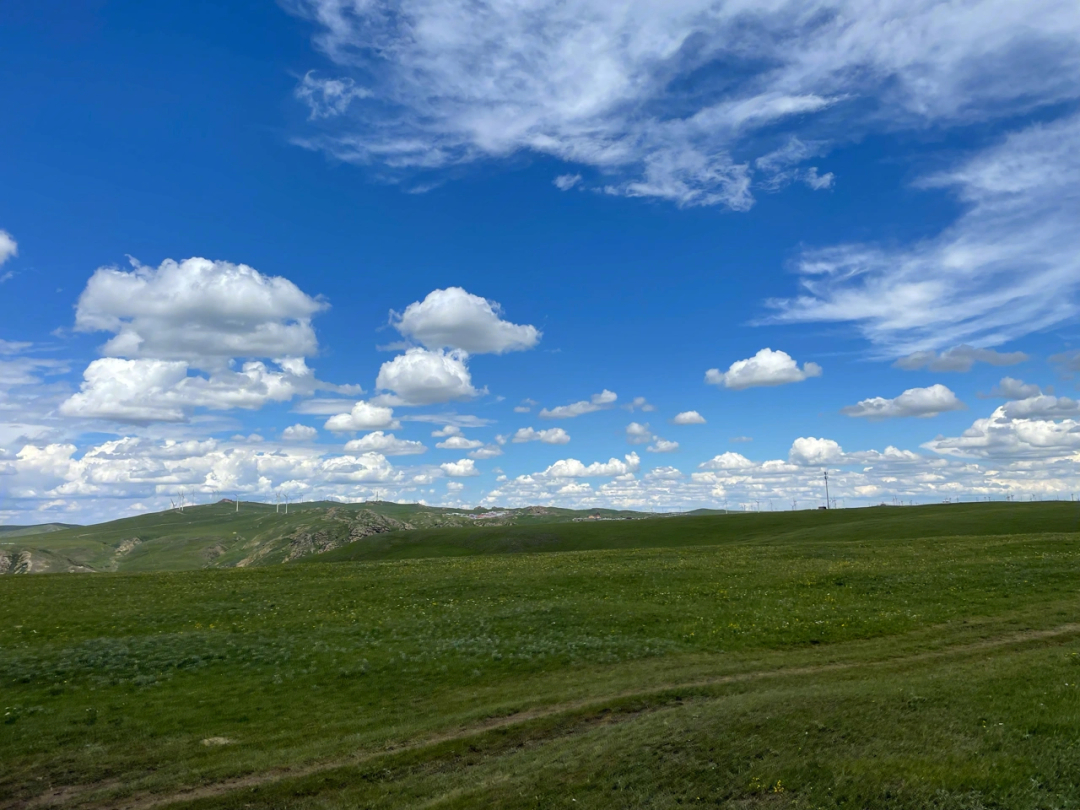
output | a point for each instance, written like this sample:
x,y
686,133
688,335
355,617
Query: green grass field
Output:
x,y
901,658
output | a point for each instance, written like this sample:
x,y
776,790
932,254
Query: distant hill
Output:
x,y
864,526
221,536
42,528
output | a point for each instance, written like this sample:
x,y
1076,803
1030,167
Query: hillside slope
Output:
x,y
221,536
856,525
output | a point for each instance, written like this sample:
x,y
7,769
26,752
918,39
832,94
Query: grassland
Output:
x,y
923,659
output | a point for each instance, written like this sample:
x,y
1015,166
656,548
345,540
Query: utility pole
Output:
x,y
826,489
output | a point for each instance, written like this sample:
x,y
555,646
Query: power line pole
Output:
x,y
826,489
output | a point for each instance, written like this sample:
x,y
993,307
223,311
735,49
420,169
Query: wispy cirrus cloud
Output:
x,y
690,101
1009,266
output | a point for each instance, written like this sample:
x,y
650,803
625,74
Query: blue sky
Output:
x,y
246,244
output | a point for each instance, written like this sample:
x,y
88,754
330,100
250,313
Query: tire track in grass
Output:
x,y
590,709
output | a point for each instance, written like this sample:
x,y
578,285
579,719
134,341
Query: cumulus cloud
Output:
x,y
660,97
549,436
1042,406
688,418
639,404
363,416
299,433
765,368
455,319
487,451
143,391
812,452
921,402
572,468
328,97
598,402
463,468
1007,267
1011,388
200,311
958,358
136,469
727,461
1004,437
637,433
662,446
385,443
459,443
425,377
8,246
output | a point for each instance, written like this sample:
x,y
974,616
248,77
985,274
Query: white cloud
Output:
x,y
385,443
958,358
688,418
328,97
565,182
1002,437
637,433
446,430
463,468
812,452
549,436
1011,388
459,443
639,404
741,439
487,451
199,311
922,402
455,319
454,486
162,390
1008,266
423,377
1041,407
299,433
8,246
659,97
727,461
572,468
324,406
598,402
662,446
526,406
765,368
363,416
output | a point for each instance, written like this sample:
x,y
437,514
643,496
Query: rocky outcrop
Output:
x,y
344,527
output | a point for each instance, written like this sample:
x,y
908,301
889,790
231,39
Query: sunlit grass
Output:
x,y
622,656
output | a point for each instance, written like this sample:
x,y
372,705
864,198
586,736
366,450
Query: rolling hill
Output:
x,y
221,536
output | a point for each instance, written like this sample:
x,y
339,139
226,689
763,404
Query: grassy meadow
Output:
x,y
902,658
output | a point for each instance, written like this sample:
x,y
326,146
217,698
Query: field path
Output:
x,y
69,796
